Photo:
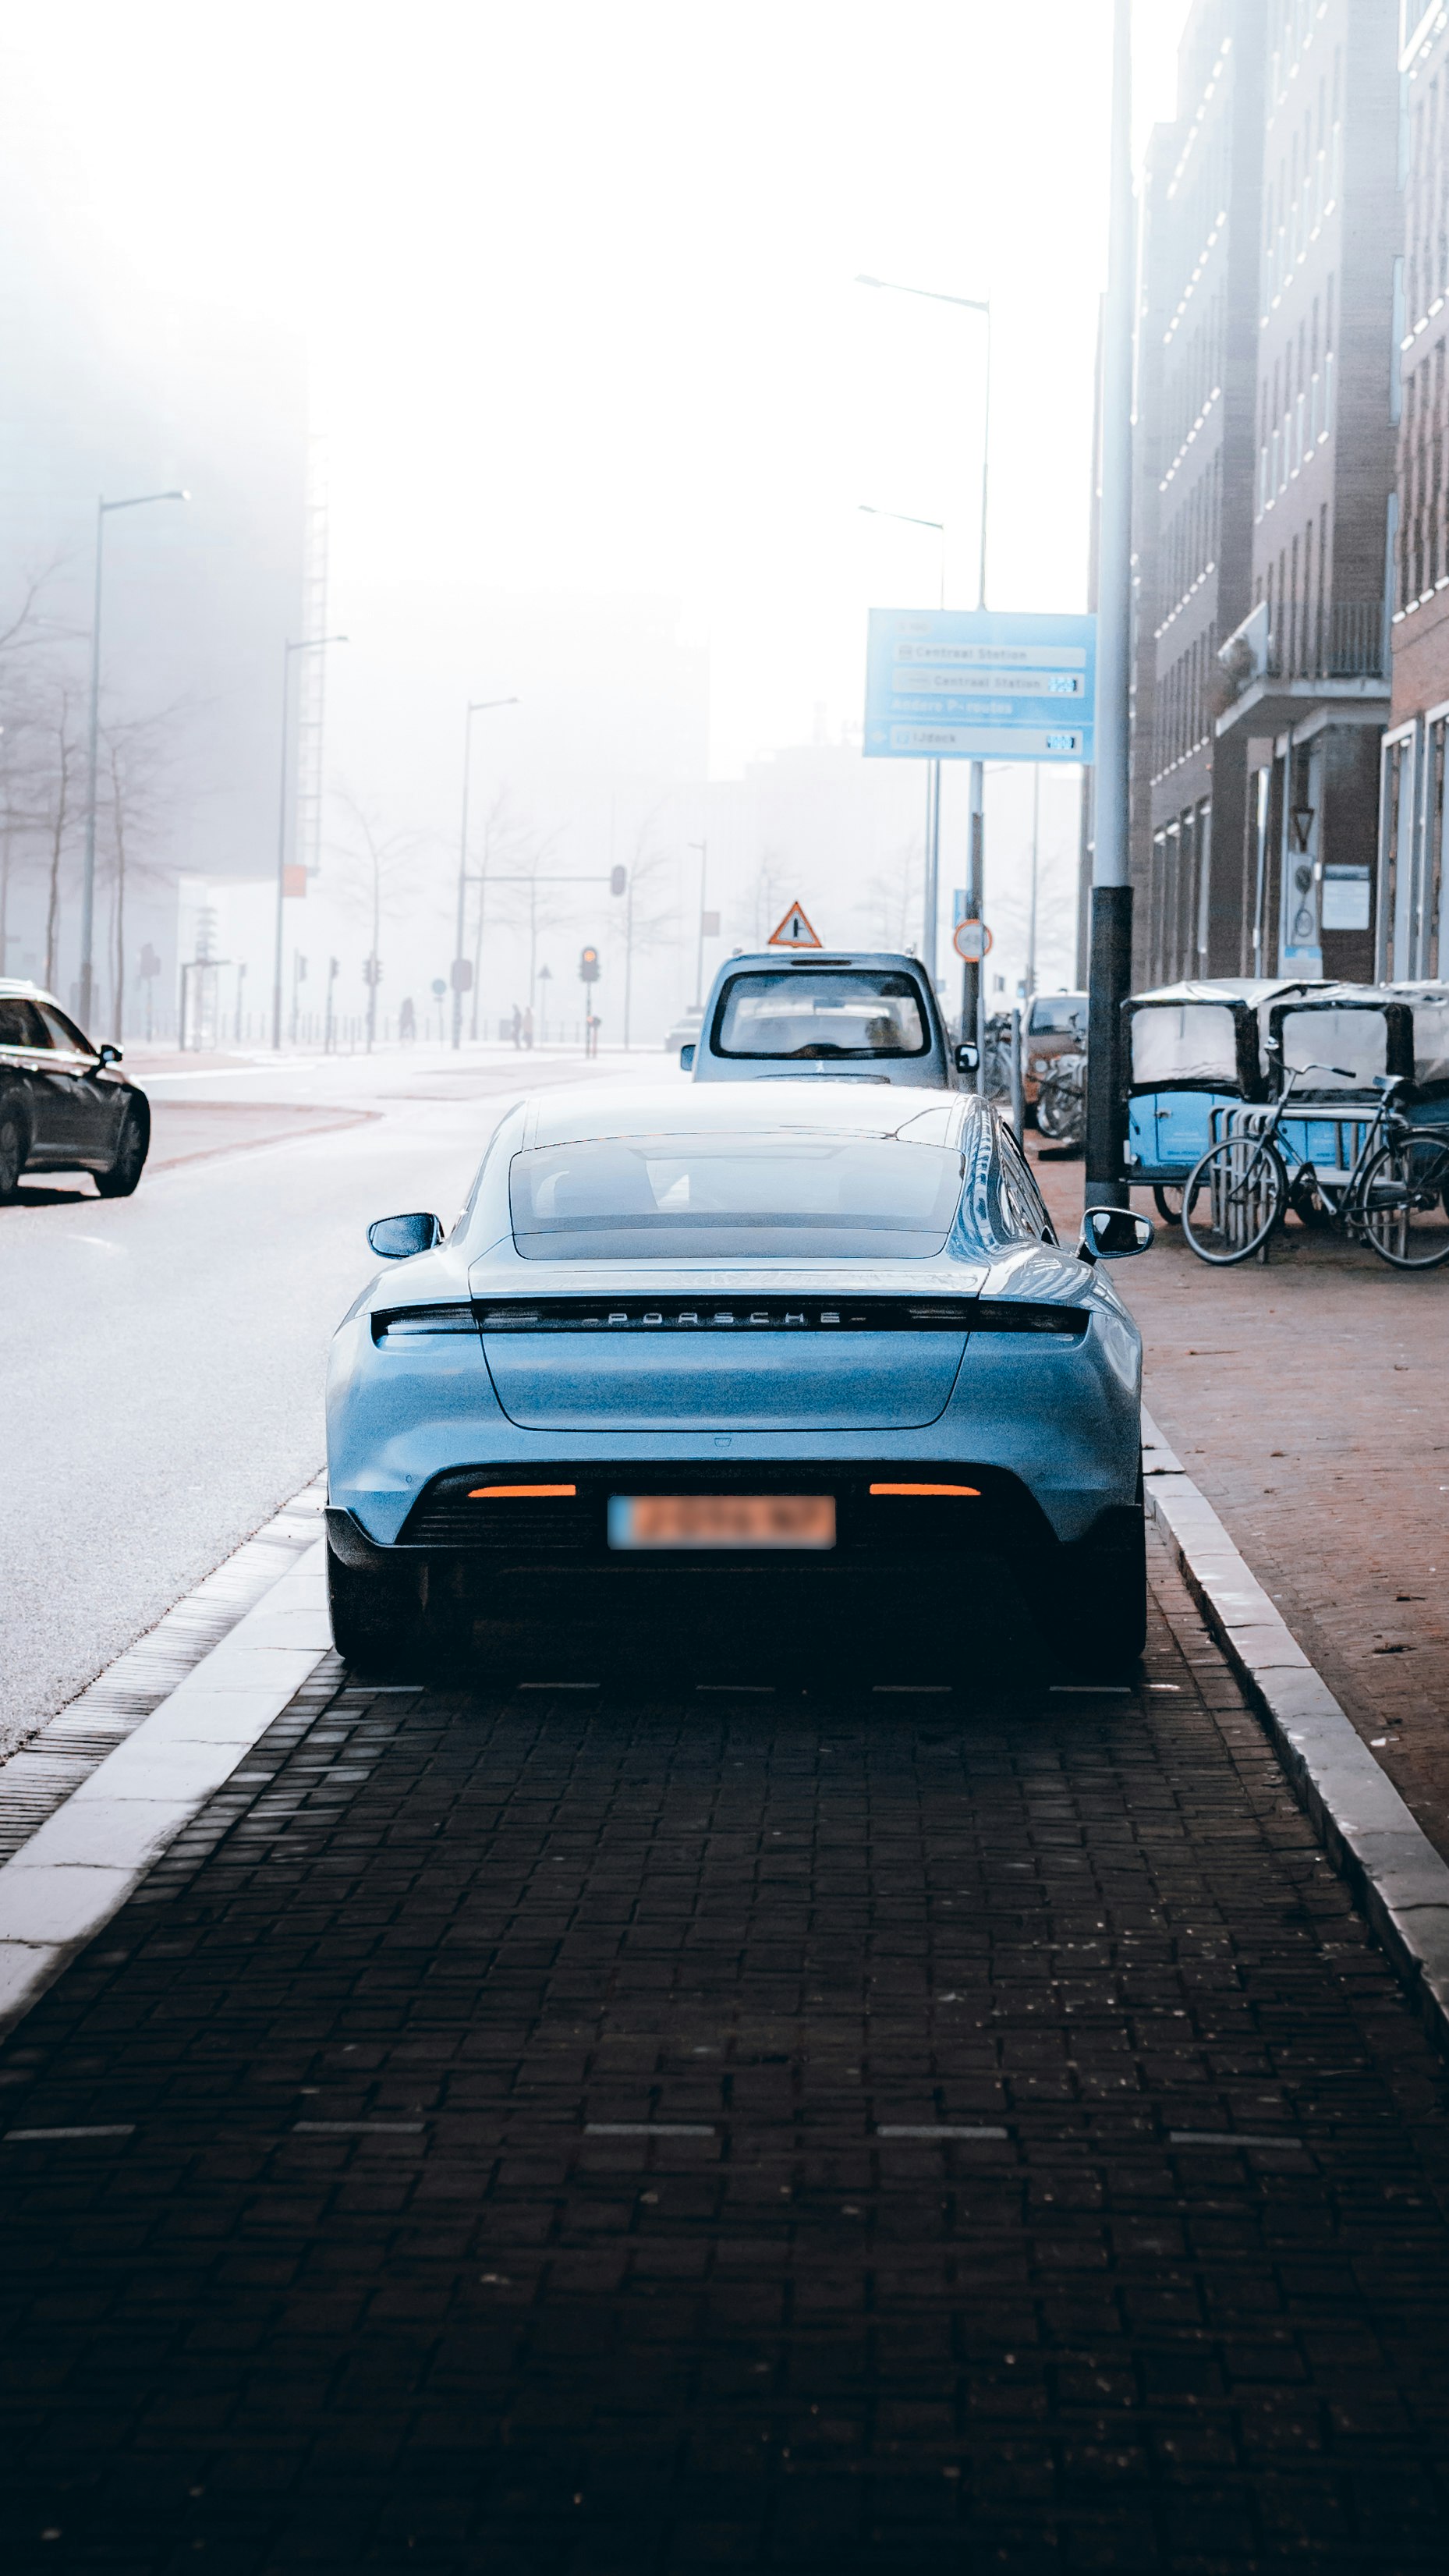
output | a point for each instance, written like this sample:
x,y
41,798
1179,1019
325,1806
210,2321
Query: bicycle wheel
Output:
x,y
1233,1199
1401,1206
1167,1198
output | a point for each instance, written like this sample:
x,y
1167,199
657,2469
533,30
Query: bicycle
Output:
x,y
1061,1102
1395,1198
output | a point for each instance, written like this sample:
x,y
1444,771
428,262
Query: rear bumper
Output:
x,y
919,1555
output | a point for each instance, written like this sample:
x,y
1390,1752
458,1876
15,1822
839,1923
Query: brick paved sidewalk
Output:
x,y
355,2284
1310,1401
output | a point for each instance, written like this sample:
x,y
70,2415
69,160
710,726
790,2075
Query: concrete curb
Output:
x,y
79,1867
1366,1829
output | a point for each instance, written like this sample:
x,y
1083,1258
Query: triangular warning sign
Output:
x,y
793,932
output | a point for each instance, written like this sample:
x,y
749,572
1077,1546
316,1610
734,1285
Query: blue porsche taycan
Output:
x,y
734,1366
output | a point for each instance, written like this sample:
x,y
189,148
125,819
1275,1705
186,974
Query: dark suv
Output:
x,y
63,1107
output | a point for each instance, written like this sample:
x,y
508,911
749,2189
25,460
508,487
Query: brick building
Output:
x,y
1411,828
1265,511
1193,533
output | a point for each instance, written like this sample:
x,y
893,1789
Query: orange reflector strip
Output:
x,y
973,1491
516,1493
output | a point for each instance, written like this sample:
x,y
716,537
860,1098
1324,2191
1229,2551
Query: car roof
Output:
x,y
600,1111
897,959
32,992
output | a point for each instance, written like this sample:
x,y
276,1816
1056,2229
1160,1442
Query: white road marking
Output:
x,y
935,2129
105,2129
648,2129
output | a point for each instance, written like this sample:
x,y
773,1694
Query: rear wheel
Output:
x,y
1105,1625
1405,1193
1233,1199
374,1615
1167,1198
130,1162
14,1146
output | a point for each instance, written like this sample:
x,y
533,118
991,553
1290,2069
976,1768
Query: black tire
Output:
x,y
1106,1628
1167,1198
1233,1200
14,1145
1405,1194
132,1146
374,1615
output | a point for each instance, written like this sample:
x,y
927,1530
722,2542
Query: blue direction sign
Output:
x,y
975,684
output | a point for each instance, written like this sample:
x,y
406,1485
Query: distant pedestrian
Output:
x,y
516,1030
407,1024
592,1026
528,1024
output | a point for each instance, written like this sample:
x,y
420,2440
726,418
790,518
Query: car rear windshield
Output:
x,y
855,1011
722,1197
21,1024
1058,1015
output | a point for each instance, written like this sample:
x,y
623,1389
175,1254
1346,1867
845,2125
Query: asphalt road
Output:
x,y
162,1356
675,2129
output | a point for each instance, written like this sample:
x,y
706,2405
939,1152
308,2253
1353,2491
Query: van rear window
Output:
x,y
825,1011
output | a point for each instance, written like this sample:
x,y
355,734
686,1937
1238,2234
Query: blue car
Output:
x,y
713,1367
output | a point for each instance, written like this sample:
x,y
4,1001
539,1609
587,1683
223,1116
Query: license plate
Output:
x,y
722,1520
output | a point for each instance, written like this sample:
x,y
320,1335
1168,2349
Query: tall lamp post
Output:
x,y
476,707
931,902
1110,971
976,866
137,501
307,644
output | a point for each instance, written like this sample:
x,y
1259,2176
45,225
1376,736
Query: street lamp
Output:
x,y
703,849
930,905
476,707
308,644
137,501
971,975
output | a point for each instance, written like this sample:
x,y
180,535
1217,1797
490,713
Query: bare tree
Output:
x,y
892,899
771,896
376,863
649,917
136,759
528,900
506,843
65,770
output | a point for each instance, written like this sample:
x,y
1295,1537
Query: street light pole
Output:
x,y
703,849
476,707
976,862
1110,972
930,898
308,644
137,501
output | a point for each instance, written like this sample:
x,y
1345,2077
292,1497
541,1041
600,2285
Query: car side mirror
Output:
x,y
108,1055
967,1058
1114,1234
686,1059
396,1238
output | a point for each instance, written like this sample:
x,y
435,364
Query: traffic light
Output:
x,y
618,879
372,970
588,966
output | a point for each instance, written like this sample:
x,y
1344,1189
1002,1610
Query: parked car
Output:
x,y
867,1015
63,1105
1055,1024
697,1360
686,1028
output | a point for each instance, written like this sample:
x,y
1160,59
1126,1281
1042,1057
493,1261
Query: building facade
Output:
x,y
1197,347
1410,886
1270,529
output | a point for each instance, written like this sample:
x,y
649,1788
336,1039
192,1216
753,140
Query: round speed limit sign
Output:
x,y
971,941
